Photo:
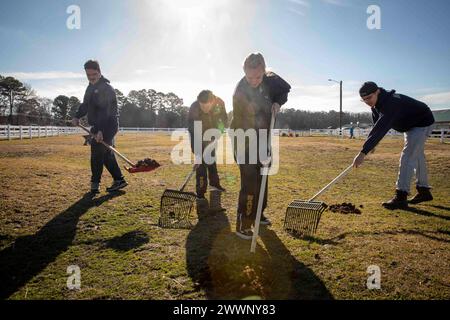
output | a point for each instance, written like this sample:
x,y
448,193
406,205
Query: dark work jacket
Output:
x,y
100,105
252,107
398,112
216,118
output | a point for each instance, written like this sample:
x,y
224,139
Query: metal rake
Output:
x,y
303,216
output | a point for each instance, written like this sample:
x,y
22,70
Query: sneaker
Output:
x,y
217,188
245,234
265,221
117,185
95,188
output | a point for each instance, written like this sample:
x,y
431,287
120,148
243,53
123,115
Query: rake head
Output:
x,y
176,208
145,165
302,217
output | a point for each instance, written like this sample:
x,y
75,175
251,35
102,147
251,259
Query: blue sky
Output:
x,y
186,46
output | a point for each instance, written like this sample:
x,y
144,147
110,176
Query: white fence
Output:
x,y
28,132
358,132
442,134
150,130
8,132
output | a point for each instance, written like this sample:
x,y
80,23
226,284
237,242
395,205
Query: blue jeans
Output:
x,y
413,159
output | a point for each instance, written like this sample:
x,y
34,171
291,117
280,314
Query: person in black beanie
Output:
x,y
100,105
391,110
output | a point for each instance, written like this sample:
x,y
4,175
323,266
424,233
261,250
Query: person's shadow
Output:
x,y
427,213
221,265
30,254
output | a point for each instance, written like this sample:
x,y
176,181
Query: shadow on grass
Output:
x,y
221,265
440,207
426,213
30,254
342,236
128,241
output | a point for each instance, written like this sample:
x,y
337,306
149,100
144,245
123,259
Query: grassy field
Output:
x,y
47,223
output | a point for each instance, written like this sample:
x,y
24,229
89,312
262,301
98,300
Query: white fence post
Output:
x,y
46,131
442,135
30,132
20,132
9,132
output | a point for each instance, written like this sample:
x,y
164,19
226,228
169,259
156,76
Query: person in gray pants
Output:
x,y
391,110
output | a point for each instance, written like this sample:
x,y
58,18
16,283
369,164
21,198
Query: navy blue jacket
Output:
x,y
252,107
398,112
100,105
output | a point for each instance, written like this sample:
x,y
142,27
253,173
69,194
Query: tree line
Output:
x,y
20,105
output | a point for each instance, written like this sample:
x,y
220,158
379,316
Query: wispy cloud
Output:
x,y
437,100
340,3
52,90
300,5
300,2
296,11
325,97
48,75
166,67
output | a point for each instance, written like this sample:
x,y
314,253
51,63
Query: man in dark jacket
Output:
x,y
209,111
257,96
391,110
100,105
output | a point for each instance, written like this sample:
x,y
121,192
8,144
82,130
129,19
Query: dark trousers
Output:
x,y
251,180
203,170
102,156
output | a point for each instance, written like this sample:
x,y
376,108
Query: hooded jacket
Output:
x,y
216,118
398,112
100,105
252,107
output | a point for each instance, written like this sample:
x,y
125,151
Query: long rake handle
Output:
x,y
335,180
111,148
262,189
188,178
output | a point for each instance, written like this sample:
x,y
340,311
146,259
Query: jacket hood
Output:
x,y
384,94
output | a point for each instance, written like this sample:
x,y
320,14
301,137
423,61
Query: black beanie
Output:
x,y
367,88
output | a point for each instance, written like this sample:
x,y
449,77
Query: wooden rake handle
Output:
x,y
335,180
110,148
194,168
188,178
265,172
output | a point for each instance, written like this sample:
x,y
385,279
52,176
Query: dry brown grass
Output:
x,y
46,225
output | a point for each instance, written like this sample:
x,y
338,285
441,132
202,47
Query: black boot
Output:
x,y
398,202
423,194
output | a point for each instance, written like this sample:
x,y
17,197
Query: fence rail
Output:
x,y
8,132
442,134
29,132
